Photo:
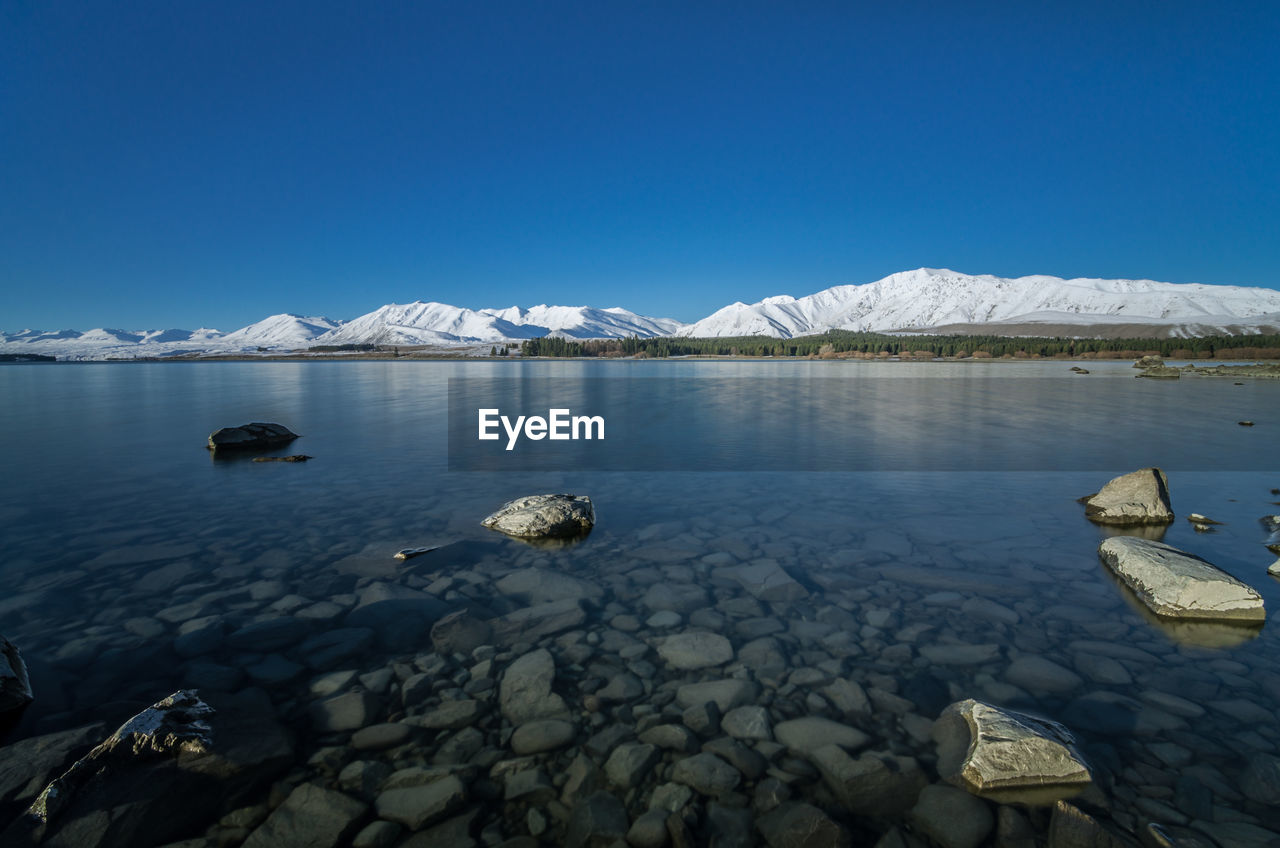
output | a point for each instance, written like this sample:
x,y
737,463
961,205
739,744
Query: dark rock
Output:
x,y
417,806
154,780
348,711
1261,778
707,774
952,817
749,761
534,737
377,737
525,693
630,764
297,457
528,786
328,649
649,830
1070,826
460,633
873,784
27,765
402,617
199,636
798,825
671,737
15,685
311,817
533,623
731,826
597,821
270,634
543,585
455,832
250,437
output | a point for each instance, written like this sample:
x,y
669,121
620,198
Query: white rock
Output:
x,y
1007,756
1141,497
1175,584
538,516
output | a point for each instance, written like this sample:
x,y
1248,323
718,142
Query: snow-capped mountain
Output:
x,y
394,324
105,343
927,298
440,323
281,332
923,300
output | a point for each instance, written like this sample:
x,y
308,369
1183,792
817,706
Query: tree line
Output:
x,y
847,344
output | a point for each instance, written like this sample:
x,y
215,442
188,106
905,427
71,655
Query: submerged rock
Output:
x,y
311,816
250,437
1272,525
543,516
15,686
954,819
297,457
27,765
874,784
525,692
1175,584
115,794
599,819
1140,497
694,650
798,825
1007,756
169,726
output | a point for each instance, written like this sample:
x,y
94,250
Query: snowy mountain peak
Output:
x,y
932,297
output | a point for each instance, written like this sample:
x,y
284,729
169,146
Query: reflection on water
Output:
x,y
922,586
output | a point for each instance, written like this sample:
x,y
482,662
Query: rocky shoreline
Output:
x,y
483,694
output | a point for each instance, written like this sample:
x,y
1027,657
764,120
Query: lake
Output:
x,y
926,511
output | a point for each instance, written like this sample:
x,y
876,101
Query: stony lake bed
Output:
x,y
726,658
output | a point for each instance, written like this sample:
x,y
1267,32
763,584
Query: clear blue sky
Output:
x,y
176,163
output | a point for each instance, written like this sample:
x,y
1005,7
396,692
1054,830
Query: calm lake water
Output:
x,y
113,512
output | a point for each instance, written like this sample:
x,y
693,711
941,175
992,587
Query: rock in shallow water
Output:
x,y
953,818
874,784
534,737
707,774
417,806
688,651
1141,497
544,516
525,692
311,816
797,825
1007,756
1175,584
251,436
805,735
15,687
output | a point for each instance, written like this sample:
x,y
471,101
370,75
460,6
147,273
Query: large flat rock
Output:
x,y
1175,584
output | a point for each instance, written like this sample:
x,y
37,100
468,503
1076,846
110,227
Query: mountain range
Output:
x,y
922,300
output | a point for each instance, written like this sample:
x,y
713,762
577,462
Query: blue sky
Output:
x,y
177,164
